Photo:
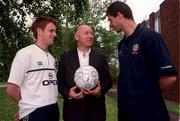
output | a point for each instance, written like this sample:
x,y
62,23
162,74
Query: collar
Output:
x,y
82,53
41,48
134,34
136,31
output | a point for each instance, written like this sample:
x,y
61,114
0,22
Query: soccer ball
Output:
x,y
86,77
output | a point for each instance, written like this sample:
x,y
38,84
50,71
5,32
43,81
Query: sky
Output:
x,y
143,8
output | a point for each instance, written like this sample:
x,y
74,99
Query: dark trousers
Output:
x,y
46,113
91,109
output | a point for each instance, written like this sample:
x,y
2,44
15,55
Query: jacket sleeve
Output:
x,y
62,87
105,77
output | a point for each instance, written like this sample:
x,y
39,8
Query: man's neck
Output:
x,y
129,28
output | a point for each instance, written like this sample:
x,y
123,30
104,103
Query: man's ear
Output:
x,y
120,15
39,31
76,36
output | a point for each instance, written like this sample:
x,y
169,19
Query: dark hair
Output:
x,y
121,7
41,23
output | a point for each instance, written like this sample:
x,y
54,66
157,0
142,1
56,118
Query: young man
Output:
x,y
145,68
32,81
83,105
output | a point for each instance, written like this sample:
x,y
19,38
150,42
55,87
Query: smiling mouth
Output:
x,y
90,39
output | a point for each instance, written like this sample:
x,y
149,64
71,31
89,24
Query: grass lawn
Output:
x,y
173,107
8,107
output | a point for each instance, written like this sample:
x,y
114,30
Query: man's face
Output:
x,y
48,34
84,36
115,23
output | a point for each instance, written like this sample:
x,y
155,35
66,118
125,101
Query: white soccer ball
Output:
x,y
86,77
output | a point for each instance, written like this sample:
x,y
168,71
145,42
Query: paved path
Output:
x,y
2,85
113,93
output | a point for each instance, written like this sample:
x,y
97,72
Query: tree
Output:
x,y
15,33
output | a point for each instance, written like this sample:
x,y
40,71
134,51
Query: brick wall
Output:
x,y
170,31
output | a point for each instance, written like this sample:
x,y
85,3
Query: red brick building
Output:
x,y
167,22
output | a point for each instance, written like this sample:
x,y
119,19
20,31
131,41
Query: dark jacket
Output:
x,y
69,63
90,108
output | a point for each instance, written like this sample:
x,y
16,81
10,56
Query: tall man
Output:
x,y
32,81
83,105
145,68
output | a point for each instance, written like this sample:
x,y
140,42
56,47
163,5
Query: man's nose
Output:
x,y
55,34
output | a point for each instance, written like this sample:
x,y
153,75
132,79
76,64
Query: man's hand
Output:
x,y
75,95
96,91
167,82
16,116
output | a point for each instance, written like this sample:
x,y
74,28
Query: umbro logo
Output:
x,y
40,63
